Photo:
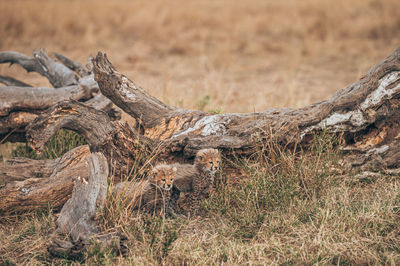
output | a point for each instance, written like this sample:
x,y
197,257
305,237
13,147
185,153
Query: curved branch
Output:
x,y
9,81
57,74
121,144
77,215
92,124
125,94
28,63
74,66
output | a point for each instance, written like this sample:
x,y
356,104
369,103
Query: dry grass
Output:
x,y
245,56
290,208
235,57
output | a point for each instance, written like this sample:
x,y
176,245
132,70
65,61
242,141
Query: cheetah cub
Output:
x,y
198,179
151,195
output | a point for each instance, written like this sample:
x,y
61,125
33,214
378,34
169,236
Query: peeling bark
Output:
x,y
360,112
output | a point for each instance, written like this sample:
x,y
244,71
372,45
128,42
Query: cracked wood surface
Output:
x,y
20,104
360,112
44,183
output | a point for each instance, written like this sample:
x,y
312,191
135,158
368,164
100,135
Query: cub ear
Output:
x,y
174,169
154,171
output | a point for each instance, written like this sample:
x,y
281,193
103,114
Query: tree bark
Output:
x,y
35,184
366,113
77,226
58,74
123,146
21,103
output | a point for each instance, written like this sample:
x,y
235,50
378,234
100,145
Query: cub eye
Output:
x,y
163,180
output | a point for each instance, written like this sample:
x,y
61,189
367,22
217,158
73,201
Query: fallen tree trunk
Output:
x,y
365,113
123,146
21,103
36,184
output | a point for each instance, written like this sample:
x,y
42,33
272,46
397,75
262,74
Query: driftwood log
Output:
x,y
366,115
20,103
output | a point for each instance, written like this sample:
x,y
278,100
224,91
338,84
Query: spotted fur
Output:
x,y
197,179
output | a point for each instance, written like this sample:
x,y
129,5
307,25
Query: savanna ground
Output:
x,y
227,56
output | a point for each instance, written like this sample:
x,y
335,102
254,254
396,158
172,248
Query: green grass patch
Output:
x,y
64,140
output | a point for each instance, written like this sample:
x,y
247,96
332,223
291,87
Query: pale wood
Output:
x,y
37,189
21,104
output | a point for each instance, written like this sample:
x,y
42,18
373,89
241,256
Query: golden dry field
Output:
x,y
228,56
244,55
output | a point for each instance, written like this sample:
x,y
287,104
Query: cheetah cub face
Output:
x,y
163,176
208,160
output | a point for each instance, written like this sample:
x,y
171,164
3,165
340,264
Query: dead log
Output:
x,y
365,113
20,103
77,227
14,99
72,65
77,215
122,145
44,183
58,74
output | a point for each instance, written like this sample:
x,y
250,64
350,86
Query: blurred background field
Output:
x,y
233,56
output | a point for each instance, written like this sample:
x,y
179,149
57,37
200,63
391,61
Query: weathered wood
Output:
x,y
74,66
76,218
28,63
9,81
121,144
130,98
20,106
36,99
57,74
100,102
77,227
19,169
36,189
94,125
366,113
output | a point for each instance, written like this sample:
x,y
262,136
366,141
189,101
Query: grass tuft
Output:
x,y
64,140
289,206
